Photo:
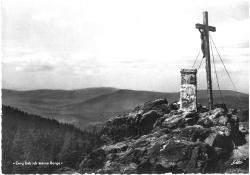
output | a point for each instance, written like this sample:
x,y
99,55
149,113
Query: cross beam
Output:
x,y
204,29
202,26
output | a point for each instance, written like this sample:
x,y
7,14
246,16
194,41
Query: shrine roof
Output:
x,y
188,70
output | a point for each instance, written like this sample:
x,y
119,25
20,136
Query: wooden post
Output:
x,y
206,30
208,64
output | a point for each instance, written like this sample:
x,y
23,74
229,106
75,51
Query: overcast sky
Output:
x,y
133,44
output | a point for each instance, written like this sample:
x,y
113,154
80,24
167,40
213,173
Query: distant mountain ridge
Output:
x,y
83,94
84,106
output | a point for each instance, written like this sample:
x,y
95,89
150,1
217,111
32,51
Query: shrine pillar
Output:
x,y
188,92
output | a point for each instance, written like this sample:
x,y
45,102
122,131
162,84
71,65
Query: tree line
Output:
x,y
31,138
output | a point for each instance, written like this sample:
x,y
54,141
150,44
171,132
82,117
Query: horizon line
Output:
x,y
114,88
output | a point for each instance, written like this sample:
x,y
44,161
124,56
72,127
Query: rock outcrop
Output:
x,y
158,138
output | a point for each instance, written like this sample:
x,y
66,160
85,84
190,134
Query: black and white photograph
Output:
x,y
125,86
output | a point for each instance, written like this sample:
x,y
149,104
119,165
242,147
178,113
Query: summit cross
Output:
x,y
204,30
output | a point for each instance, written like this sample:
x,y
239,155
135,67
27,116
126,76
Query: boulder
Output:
x,y
174,106
94,160
147,121
195,133
160,105
173,121
158,138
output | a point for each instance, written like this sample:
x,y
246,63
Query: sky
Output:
x,y
128,44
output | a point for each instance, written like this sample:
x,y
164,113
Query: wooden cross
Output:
x,y
204,29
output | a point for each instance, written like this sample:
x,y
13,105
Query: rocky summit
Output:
x,y
157,137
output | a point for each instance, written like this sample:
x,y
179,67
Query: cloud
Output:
x,y
30,67
36,68
240,10
242,45
26,61
95,42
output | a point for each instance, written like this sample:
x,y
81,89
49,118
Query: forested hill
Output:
x,y
34,139
85,107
